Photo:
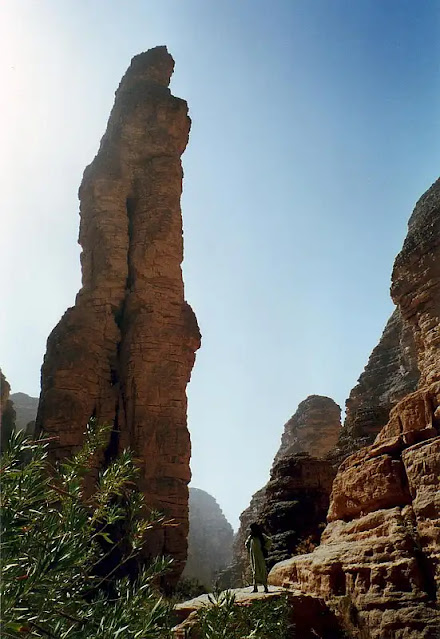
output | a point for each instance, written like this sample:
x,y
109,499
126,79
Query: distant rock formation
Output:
x,y
381,548
313,429
25,408
391,373
125,351
7,412
293,504
209,541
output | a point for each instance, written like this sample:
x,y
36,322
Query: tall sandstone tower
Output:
x,y
125,351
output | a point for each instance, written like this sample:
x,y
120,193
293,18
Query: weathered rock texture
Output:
x,y
125,351
391,373
313,429
25,408
7,412
209,540
416,282
293,504
381,547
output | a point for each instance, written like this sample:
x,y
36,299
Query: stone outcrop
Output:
x,y
125,351
209,540
293,504
309,617
313,429
391,373
25,408
7,412
381,548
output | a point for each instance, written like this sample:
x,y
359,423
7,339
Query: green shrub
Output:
x,y
263,619
55,542
60,578
188,589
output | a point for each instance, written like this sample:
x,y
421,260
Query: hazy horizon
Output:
x,y
314,132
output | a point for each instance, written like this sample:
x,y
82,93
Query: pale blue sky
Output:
x,y
315,129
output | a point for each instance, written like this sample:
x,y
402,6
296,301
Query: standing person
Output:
x,y
258,544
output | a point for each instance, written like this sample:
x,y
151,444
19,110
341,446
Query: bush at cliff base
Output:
x,y
59,573
223,619
64,555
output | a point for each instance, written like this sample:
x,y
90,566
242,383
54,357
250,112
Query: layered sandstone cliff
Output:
x,y
391,373
209,540
381,548
7,412
293,504
313,429
125,351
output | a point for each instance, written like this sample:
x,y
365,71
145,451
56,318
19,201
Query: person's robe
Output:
x,y
258,562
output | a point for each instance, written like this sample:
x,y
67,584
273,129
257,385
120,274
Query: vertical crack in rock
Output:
x,y
125,351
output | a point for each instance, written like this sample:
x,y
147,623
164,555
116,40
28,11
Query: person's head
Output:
x,y
255,530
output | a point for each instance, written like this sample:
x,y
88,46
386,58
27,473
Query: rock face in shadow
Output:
x,y
209,540
391,373
293,504
25,408
381,547
125,351
7,412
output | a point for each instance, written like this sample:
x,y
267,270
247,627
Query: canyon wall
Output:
x,y
209,540
125,351
381,548
391,373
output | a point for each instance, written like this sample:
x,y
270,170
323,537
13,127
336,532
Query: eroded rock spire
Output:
x,y
125,351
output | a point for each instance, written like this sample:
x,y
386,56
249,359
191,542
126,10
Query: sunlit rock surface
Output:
x,y
313,429
391,373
